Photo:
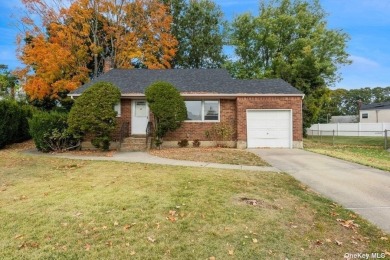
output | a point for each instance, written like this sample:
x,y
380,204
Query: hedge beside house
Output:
x,y
14,122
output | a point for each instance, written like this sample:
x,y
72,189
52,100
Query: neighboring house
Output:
x,y
263,113
344,119
375,113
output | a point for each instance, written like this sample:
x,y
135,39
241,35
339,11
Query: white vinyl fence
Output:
x,y
349,129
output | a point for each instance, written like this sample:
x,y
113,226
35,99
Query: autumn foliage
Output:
x,y
68,43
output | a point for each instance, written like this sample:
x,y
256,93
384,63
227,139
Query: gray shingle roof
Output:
x,y
376,106
216,81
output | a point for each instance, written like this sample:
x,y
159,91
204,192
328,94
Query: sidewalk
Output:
x,y
143,157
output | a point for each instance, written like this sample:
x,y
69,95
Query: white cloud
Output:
x,y
359,62
364,72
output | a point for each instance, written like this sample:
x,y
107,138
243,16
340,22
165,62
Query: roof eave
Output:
x,y
219,95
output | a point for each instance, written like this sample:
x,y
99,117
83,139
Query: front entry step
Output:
x,y
133,144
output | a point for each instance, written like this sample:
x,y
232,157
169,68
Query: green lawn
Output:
x,y
53,208
350,140
366,151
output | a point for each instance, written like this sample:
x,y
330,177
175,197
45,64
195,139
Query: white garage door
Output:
x,y
269,128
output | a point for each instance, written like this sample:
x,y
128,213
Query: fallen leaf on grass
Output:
x,y
348,223
212,258
254,240
27,244
319,243
127,227
132,253
172,216
231,252
328,240
151,239
78,214
18,236
87,247
338,243
384,238
116,223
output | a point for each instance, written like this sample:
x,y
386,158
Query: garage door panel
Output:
x,y
269,128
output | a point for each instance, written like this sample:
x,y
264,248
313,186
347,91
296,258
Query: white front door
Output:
x,y
139,117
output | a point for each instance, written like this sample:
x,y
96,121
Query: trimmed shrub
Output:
x,y
168,107
220,133
26,113
183,143
196,143
13,123
93,113
9,114
49,132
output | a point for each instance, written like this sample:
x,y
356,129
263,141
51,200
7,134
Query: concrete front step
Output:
x,y
134,144
134,141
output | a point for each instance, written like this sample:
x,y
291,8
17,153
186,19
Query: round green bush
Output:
x,y
49,132
168,108
93,113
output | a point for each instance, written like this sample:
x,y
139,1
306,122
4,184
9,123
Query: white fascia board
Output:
x,y
211,95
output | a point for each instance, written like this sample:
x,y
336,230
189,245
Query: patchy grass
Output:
x,y
373,156
212,155
69,209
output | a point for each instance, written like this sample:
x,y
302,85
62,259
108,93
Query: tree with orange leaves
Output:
x,y
69,43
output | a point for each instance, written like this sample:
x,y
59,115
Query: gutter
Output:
x,y
212,95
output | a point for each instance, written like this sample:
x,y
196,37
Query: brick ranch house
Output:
x,y
263,113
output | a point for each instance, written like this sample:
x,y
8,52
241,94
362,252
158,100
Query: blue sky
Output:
x,y
366,21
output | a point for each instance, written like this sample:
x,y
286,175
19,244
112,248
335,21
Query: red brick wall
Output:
x,y
124,118
196,130
233,112
294,103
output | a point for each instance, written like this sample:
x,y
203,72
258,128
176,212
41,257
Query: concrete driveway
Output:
x,y
364,190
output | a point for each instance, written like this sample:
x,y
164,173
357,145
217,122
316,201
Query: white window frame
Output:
x,y
364,115
203,112
118,109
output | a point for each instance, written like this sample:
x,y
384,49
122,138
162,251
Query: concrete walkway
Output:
x,y
143,157
362,189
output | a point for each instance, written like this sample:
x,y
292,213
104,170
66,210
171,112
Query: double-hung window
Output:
x,y
203,110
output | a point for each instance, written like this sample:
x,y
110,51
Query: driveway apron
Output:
x,y
361,189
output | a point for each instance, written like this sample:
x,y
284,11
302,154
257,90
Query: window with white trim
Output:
x,y
203,110
364,115
117,109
